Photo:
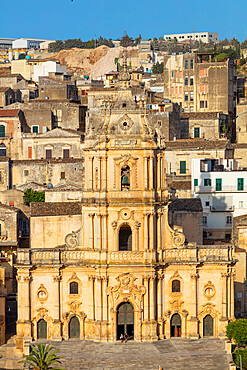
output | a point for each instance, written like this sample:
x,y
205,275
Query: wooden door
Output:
x,y
74,328
42,329
208,326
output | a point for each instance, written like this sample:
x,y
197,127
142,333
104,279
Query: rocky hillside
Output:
x,y
92,62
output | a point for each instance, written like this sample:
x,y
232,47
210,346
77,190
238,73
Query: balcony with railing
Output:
x,y
216,189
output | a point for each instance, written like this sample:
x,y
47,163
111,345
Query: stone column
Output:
x,y
56,312
152,302
97,231
91,315
91,173
151,173
158,171
100,174
114,226
104,232
193,308
151,231
92,215
146,228
231,300
146,299
104,173
98,298
159,233
145,173
160,278
104,296
24,319
224,277
137,227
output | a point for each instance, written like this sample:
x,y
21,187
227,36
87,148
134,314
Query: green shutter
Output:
x,y
240,184
195,182
2,131
183,167
196,132
218,184
207,182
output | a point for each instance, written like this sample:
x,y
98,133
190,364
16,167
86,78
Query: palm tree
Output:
x,y
42,357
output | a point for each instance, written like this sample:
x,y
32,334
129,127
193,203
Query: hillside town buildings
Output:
x,y
125,238
205,37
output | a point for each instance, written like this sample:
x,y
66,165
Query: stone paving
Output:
x,y
172,354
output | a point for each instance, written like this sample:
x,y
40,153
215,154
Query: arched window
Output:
x,y
125,178
2,131
73,288
175,286
2,150
125,238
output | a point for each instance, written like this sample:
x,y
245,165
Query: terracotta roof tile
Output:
x,y
55,208
181,185
186,204
9,112
196,143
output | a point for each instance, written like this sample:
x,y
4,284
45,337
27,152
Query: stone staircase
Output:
x,y
172,354
9,357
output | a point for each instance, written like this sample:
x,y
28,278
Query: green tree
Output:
x,y
221,57
126,41
22,56
43,357
237,330
33,196
158,68
56,46
243,354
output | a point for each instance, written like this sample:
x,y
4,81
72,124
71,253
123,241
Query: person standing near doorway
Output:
x,y
125,337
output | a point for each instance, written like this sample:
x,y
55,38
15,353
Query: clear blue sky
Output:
x,y
63,19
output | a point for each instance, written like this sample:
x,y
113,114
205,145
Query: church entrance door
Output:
x,y
176,325
42,329
74,328
125,320
208,326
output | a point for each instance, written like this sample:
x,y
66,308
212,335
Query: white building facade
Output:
x,y
43,69
222,187
194,36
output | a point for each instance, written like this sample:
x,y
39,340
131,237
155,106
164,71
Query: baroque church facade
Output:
x,y
111,263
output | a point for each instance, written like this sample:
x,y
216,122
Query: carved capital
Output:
x,y
27,278
57,278
91,277
137,224
224,275
114,224
194,276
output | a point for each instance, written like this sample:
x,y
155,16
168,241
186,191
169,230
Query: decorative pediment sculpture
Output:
x,y
125,290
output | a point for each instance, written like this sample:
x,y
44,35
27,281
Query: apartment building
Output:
x,y
205,37
222,187
202,85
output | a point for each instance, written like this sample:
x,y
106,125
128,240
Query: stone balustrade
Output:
x,y
193,254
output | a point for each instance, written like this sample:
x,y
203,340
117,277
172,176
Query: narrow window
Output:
x,y
175,286
183,167
29,152
201,104
65,153
25,172
191,96
241,184
48,154
125,178
186,64
2,131
207,182
125,238
228,220
191,63
186,96
196,132
62,175
35,129
195,182
191,81
218,184
204,220
2,150
73,288
186,81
